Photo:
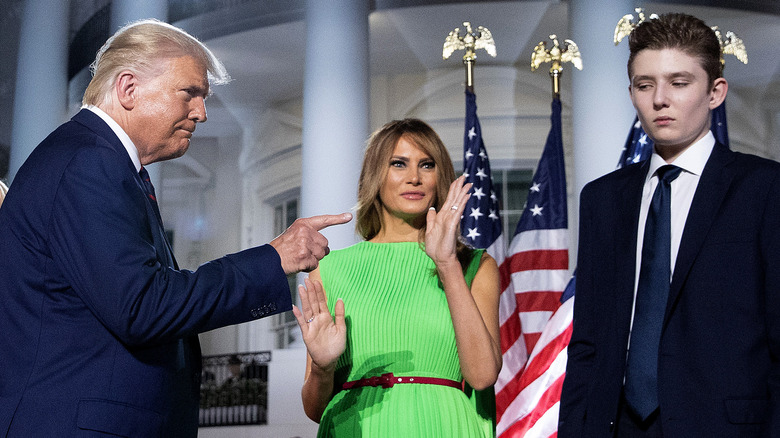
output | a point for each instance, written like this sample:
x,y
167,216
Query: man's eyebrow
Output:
x,y
642,78
673,75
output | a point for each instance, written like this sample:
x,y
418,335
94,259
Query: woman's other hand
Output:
x,y
325,338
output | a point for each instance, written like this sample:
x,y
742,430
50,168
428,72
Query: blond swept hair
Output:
x,y
139,46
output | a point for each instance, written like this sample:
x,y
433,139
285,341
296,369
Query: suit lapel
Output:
x,y
710,192
628,197
99,127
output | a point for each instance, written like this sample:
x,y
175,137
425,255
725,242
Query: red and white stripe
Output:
x,y
533,277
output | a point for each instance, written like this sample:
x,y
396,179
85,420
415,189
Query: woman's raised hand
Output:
x,y
442,228
325,338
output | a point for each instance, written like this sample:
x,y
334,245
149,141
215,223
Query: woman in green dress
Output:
x,y
410,312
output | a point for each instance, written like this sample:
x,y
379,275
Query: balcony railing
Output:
x,y
234,389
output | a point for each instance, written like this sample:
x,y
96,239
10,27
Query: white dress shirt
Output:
x,y
123,137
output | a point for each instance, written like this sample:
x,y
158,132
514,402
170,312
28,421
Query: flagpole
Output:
x,y
469,73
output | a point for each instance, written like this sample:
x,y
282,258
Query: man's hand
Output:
x,y
301,246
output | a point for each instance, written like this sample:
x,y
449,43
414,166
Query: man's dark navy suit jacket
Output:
x,y
98,329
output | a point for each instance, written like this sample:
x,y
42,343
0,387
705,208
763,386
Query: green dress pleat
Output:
x,y
397,322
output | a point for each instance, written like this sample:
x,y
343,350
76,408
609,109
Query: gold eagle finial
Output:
x,y
471,42
626,24
556,55
732,45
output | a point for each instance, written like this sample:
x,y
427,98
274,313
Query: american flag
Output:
x,y
639,146
481,224
533,278
718,125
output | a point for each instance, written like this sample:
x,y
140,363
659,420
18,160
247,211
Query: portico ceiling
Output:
x,y
267,62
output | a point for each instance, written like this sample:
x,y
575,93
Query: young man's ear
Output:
x,y
718,92
126,89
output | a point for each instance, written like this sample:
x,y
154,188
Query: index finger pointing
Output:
x,y
326,220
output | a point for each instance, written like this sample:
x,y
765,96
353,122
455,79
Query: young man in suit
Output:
x,y
677,314
99,326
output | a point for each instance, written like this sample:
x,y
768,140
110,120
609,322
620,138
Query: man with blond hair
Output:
x,y
99,326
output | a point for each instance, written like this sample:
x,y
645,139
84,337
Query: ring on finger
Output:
x,y
310,320
454,207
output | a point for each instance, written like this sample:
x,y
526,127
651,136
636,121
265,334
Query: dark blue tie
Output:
x,y
149,189
641,387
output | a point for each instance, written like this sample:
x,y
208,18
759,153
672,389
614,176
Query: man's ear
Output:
x,y
126,89
718,92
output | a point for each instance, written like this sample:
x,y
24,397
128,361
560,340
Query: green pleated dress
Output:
x,y
397,322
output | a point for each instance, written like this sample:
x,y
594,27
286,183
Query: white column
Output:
x,y
602,112
335,110
124,12
40,95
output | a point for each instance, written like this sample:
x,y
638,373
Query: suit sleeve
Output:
x,y
770,247
102,246
581,350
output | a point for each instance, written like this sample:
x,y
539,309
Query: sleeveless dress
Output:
x,y
397,322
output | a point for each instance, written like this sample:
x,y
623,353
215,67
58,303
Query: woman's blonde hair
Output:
x,y
139,46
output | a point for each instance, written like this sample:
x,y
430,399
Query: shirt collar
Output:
x,y
692,160
123,137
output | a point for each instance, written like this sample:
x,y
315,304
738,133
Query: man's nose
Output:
x,y
660,97
198,110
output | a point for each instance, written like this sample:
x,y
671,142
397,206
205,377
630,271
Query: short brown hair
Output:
x,y
138,46
678,31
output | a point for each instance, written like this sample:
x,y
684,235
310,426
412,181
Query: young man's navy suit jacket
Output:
x,y
719,357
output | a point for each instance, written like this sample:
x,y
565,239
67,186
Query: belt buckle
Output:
x,y
386,380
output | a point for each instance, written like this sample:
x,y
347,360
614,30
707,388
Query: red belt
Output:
x,y
388,380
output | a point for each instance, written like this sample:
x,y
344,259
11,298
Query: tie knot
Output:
x,y
668,173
